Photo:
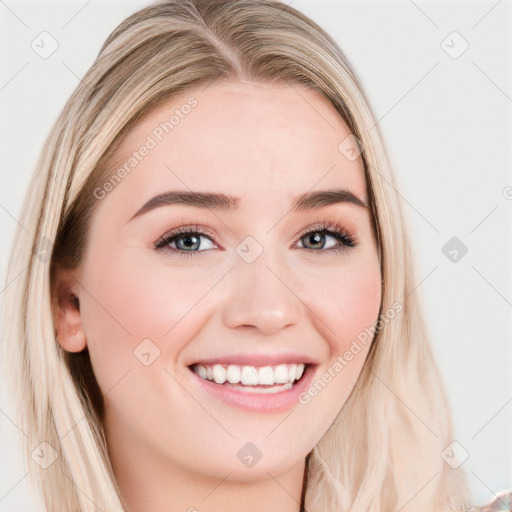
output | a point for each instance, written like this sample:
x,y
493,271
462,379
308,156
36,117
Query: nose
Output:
x,y
262,297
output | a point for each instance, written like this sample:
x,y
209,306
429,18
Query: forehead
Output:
x,y
258,141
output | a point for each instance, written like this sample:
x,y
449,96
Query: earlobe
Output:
x,y
67,318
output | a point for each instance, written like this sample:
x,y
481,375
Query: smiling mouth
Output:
x,y
258,379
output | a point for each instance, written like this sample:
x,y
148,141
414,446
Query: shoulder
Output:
x,y
499,502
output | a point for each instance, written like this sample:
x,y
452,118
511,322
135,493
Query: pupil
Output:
x,y
317,238
188,240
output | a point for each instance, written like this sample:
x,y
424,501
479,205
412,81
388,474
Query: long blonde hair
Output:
x,y
384,450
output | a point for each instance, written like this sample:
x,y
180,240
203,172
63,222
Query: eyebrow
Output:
x,y
219,201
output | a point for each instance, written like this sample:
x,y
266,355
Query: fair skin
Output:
x,y
172,443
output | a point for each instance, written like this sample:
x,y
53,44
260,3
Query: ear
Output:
x,y
66,312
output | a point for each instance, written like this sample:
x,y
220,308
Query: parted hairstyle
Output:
x,y
383,451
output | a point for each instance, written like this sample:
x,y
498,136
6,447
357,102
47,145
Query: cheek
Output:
x,y
134,299
347,305
349,299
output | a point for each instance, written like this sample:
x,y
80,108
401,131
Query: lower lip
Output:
x,y
258,402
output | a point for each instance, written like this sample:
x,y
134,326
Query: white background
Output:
x,y
447,125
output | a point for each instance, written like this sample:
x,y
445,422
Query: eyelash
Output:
x,y
327,228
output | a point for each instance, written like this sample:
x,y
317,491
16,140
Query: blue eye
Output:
x,y
317,236
186,240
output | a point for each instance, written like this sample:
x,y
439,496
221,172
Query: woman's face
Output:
x,y
246,289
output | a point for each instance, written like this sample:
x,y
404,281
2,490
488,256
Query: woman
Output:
x,y
272,372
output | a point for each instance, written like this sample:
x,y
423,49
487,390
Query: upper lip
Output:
x,y
257,359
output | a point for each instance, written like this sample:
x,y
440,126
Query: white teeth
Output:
x,y
268,390
291,372
233,374
266,376
281,374
201,371
250,375
219,374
